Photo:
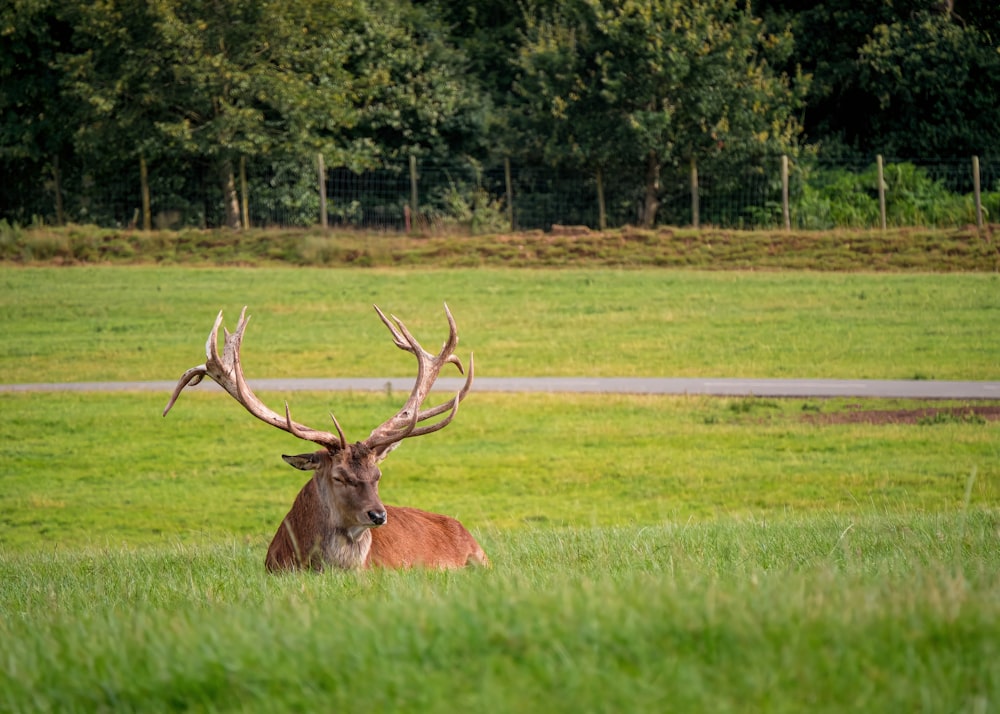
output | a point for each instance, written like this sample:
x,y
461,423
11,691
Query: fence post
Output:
x,y
243,192
976,192
57,186
785,209
602,214
147,217
414,197
881,189
695,218
509,187
322,190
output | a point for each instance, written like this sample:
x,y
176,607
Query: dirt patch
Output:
x,y
928,415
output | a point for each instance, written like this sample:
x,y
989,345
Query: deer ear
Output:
x,y
306,462
384,451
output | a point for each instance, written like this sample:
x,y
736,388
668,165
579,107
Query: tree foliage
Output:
x,y
633,90
910,78
647,84
936,82
215,79
415,95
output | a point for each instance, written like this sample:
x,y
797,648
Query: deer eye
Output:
x,y
342,477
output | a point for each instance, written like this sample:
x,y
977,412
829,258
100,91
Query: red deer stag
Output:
x,y
338,518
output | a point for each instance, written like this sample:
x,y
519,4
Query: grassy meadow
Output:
x,y
649,553
96,323
830,614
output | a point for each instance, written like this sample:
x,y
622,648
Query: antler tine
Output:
x,y
451,405
194,375
306,433
212,343
404,423
227,371
404,340
409,429
340,432
397,338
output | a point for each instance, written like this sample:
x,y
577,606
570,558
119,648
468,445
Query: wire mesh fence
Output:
x,y
506,196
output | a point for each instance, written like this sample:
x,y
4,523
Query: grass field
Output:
x,y
649,553
106,470
831,614
142,323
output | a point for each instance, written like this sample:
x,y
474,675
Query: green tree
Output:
x,y
216,79
37,120
870,60
936,82
653,84
489,33
414,91
191,83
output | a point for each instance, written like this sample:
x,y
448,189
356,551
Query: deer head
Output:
x,y
332,517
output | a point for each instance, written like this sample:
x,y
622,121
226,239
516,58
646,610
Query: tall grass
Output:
x,y
828,613
966,248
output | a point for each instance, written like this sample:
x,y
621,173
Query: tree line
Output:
x,y
636,93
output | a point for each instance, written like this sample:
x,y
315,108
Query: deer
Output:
x,y
337,518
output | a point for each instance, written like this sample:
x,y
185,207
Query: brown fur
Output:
x,y
305,539
411,537
328,525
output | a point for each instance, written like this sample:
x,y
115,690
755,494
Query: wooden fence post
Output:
x,y
881,189
414,197
509,187
785,209
57,186
602,214
695,217
147,217
977,193
322,191
244,192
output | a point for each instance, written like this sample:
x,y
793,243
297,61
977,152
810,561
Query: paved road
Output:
x,y
904,389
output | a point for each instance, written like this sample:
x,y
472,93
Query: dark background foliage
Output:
x,y
629,94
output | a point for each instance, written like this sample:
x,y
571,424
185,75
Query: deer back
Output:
x,y
415,538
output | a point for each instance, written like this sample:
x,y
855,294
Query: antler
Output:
x,y
228,373
404,424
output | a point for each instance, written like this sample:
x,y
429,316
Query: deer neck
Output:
x,y
343,546
348,550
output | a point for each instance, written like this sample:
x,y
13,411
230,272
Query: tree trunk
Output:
x,y
230,197
651,204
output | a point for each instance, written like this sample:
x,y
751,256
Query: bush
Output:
x,y
841,198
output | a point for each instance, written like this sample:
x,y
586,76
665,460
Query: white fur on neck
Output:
x,y
348,548
344,547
